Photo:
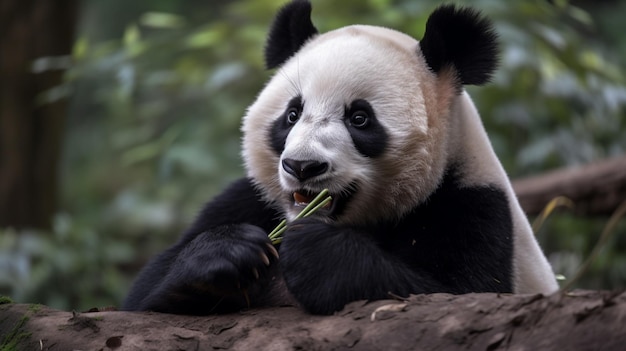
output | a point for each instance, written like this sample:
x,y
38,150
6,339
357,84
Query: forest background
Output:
x,y
152,93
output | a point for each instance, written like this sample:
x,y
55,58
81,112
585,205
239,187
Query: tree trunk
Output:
x,y
595,189
580,320
31,131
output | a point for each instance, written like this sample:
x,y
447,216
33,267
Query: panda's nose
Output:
x,y
304,170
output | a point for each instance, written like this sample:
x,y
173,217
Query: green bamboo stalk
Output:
x,y
321,200
280,226
320,205
321,196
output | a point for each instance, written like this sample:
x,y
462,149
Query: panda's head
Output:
x,y
361,110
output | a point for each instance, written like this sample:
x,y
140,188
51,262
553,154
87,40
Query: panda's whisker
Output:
x,y
295,89
299,82
349,190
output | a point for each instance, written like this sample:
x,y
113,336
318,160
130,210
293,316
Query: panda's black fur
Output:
x,y
458,239
292,27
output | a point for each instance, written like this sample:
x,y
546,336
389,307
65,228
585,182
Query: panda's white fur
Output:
x,y
421,203
431,127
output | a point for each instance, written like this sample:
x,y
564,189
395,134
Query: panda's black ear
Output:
x,y
462,38
292,27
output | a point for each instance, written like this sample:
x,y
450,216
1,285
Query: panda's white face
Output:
x,y
356,111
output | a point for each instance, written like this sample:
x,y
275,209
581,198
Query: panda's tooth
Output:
x,y
300,199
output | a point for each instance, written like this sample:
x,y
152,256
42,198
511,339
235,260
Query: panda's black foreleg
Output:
x,y
215,264
220,270
326,266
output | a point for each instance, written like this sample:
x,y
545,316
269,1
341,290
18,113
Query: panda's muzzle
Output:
x,y
304,170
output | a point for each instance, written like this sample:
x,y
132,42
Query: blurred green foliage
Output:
x,y
158,89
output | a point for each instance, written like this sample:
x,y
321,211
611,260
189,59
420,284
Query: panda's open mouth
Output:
x,y
302,198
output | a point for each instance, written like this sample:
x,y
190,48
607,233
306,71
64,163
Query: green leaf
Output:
x,y
202,39
161,20
131,35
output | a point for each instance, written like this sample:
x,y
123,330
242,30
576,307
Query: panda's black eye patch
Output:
x,y
282,125
368,135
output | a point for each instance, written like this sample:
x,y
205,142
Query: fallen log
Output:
x,y
597,188
579,320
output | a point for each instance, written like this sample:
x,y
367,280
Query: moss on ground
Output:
x,y
13,338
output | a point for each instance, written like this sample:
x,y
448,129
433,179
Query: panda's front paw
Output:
x,y
316,259
308,233
224,264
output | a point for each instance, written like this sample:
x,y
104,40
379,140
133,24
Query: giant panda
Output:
x,y
421,203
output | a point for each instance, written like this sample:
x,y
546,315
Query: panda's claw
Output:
x,y
272,250
265,259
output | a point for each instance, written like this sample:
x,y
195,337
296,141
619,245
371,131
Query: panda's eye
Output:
x,y
359,119
293,115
